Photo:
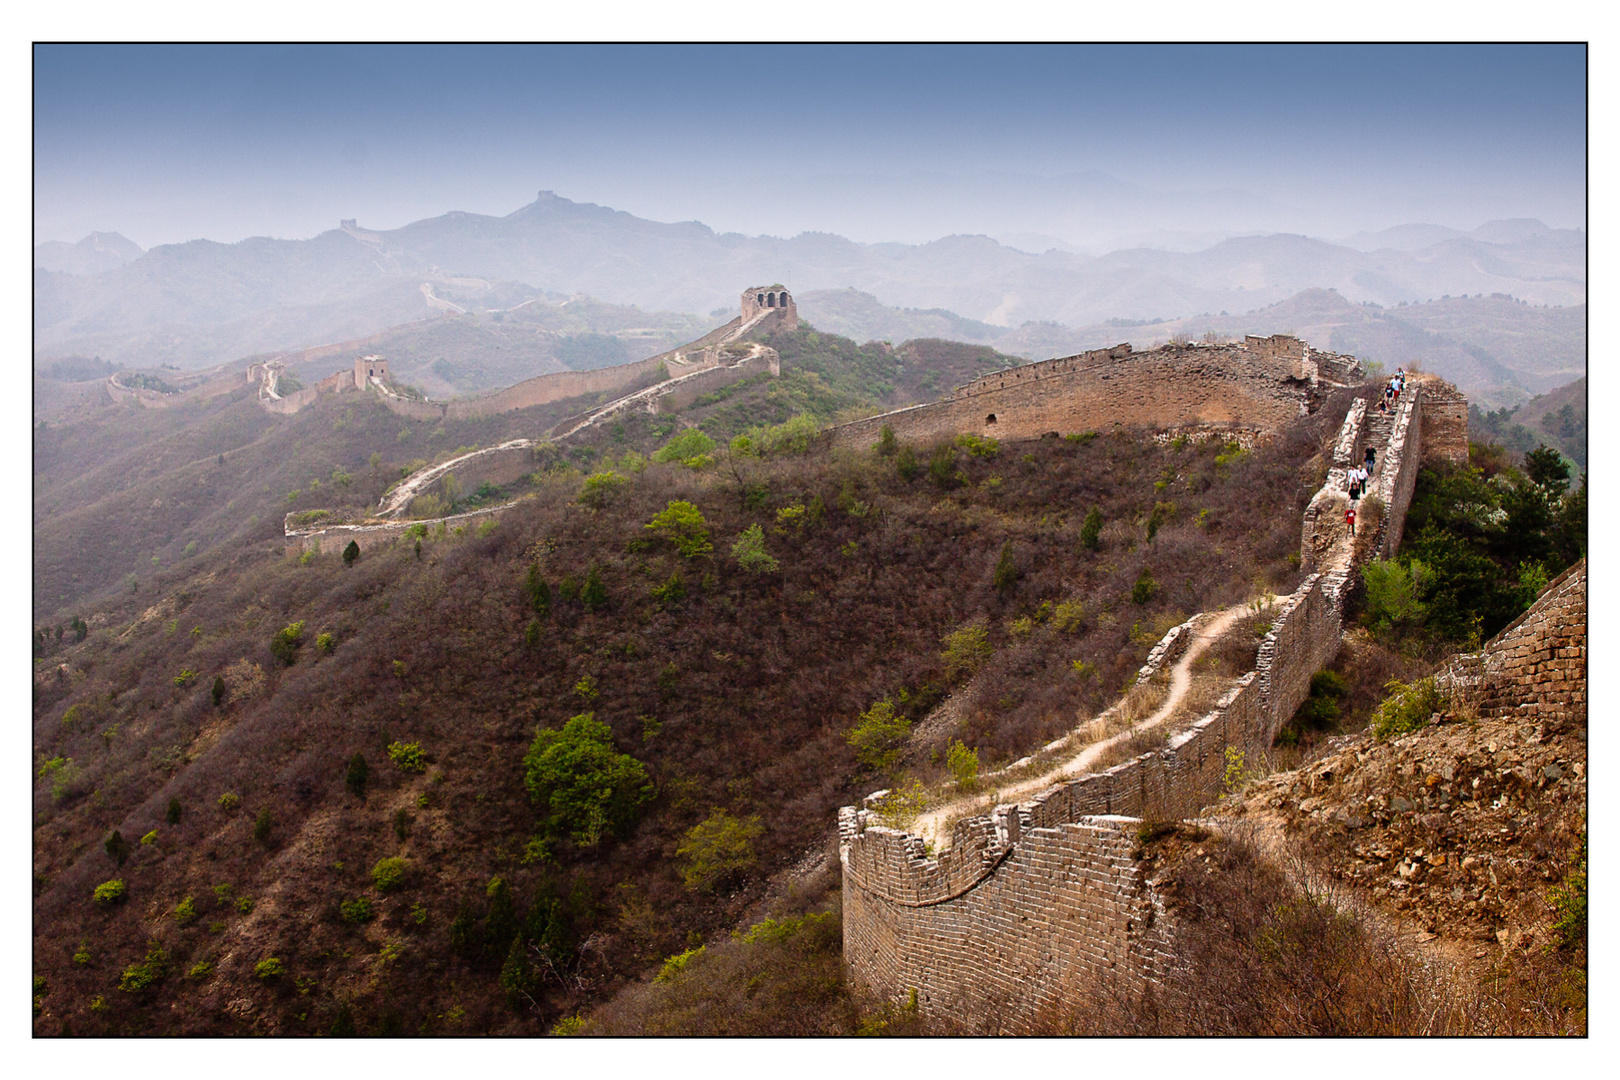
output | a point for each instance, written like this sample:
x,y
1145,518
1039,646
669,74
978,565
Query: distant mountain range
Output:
x,y
203,303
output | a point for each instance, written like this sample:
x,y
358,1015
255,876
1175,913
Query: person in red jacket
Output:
x,y
1350,518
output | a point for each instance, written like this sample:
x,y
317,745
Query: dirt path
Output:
x,y
933,826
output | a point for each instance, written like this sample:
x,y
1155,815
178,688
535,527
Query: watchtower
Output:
x,y
366,367
768,298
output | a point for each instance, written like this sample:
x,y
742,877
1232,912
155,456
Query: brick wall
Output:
x,y
1187,387
1036,900
1537,665
1445,419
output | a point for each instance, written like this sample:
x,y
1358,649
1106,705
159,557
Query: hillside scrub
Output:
x,y
738,695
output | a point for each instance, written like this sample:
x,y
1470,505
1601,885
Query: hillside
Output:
x,y
214,301
178,723
1557,419
122,493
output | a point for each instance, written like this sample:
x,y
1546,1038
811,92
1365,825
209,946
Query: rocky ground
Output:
x,y
1463,828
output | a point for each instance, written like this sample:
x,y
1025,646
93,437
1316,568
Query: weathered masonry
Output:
x,y
1032,904
1258,386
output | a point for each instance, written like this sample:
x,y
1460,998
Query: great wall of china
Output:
x,y
1040,901
1037,903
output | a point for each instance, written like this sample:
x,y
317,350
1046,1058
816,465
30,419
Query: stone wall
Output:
x,y
1536,667
1035,901
189,389
1067,907
334,538
1445,419
1246,388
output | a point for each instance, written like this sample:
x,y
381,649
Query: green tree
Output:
x,y
263,825
886,442
351,553
1547,469
500,921
682,524
1006,574
966,649
1145,587
355,776
964,765
1161,513
942,467
173,815
537,591
691,448
1090,530
219,690
602,488
718,849
905,463
750,553
284,644
117,847
582,785
878,737
1394,590
593,595
517,974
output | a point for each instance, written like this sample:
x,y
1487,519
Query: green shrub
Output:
x,y
1407,708
355,776
325,643
964,765
905,464
691,448
942,471
149,838
1569,904
583,786
682,524
172,816
407,756
109,893
1090,530
602,488
262,825
537,591
676,964
672,592
147,973
389,873
1006,573
532,634
117,847
878,737
200,970
718,849
886,442
82,957
355,911
1394,594
269,968
1145,587
185,912
750,553
966,650
982,448
185,678
1162,512
351,552
229,801
593,594
402,824
219,690
1067,617
284,644
585,689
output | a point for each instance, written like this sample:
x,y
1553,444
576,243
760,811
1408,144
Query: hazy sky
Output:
x,y
1088,145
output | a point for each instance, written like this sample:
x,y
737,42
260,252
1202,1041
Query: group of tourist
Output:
x,y
1355,480
1392,391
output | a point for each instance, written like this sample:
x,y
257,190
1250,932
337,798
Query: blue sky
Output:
x,y
1085,145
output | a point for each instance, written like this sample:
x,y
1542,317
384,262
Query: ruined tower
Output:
x,y
769,298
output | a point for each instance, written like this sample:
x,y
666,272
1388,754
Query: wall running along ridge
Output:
x,y
1259,386
1031,904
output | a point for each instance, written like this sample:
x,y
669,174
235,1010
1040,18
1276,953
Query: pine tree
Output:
x,y
1089,530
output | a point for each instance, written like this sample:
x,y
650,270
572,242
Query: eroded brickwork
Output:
x,y
1536,666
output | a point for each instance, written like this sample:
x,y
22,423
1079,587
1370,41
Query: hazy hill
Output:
x,y
1557,419
95,254
225,293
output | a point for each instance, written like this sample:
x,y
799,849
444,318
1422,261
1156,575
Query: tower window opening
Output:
x,y
990,419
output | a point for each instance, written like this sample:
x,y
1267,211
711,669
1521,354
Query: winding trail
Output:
x,y
933,825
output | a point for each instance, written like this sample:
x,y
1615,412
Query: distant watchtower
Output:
x,y
366,367
768,298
